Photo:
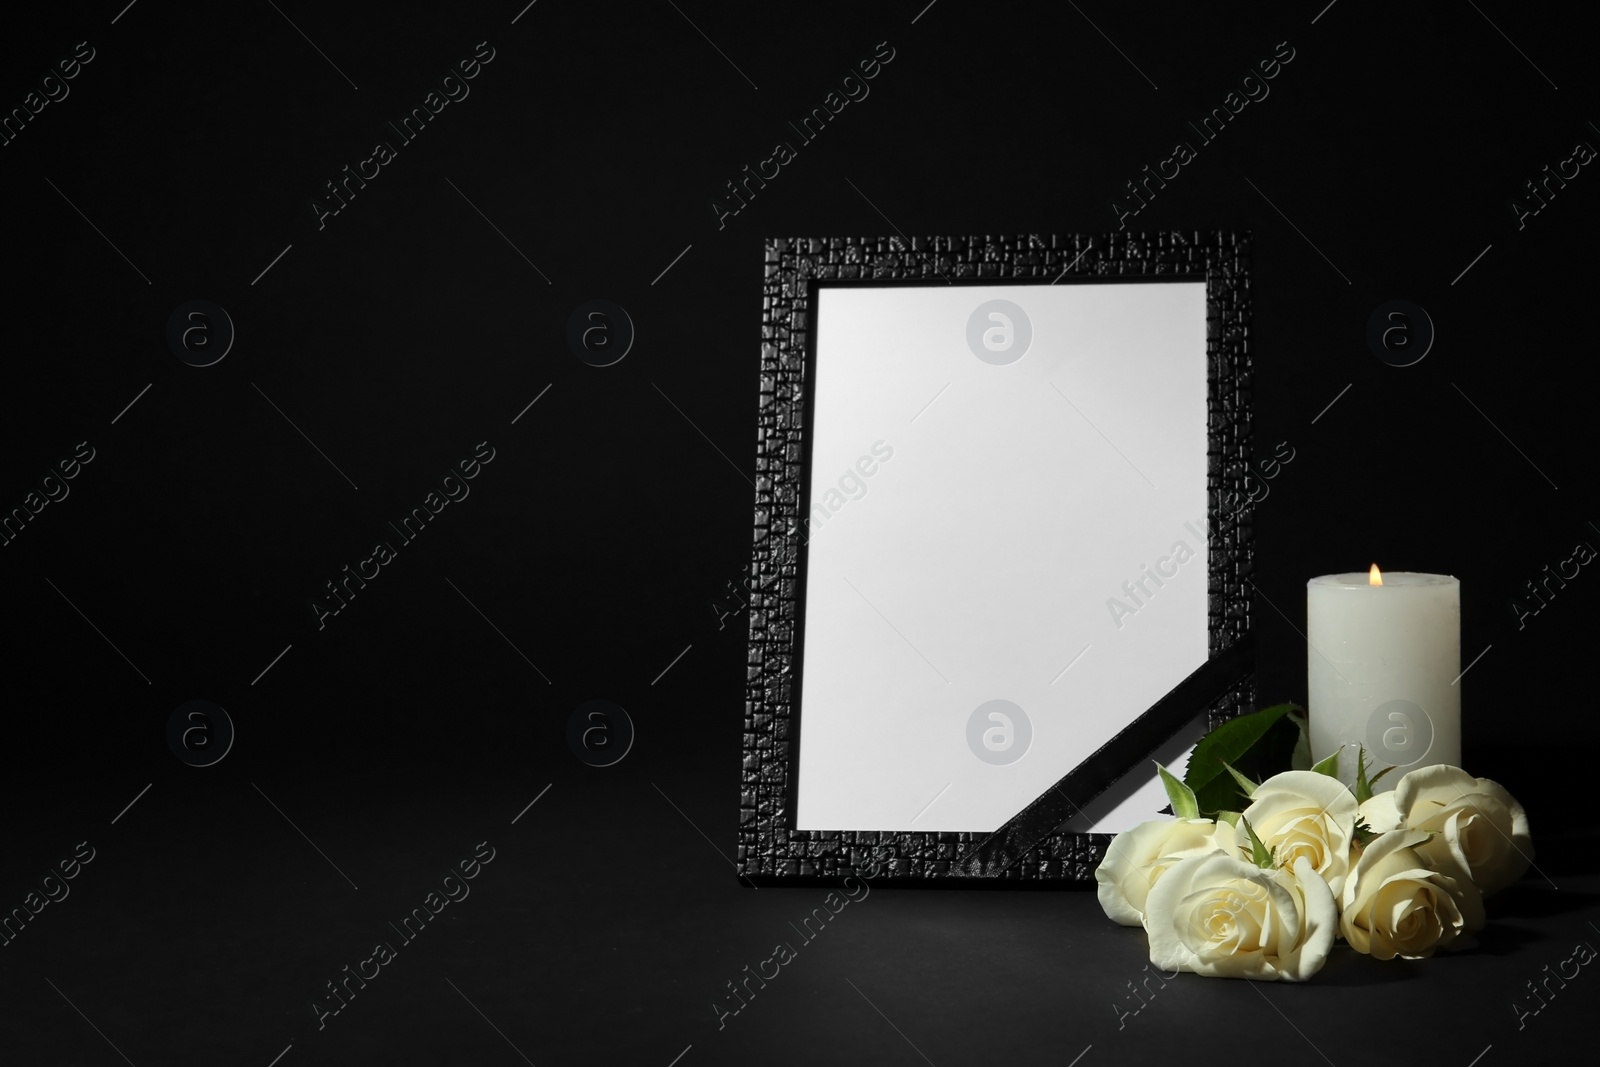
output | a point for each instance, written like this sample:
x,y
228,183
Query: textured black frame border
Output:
x,y
769,848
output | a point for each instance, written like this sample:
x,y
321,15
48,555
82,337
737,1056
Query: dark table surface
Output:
x,y
205,926
378,346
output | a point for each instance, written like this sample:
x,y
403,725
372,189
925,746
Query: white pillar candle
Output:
x,y
1383,670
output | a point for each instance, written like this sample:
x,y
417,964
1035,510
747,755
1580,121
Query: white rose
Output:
x,y
1477,825
1304,813
1395,904
1222,916
1380,814
1138,858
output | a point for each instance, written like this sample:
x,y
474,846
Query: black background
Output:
x,y
408,330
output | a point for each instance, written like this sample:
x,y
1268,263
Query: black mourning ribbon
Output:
x,y
1182,704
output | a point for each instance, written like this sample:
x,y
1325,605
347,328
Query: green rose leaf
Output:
x,y
1329,766
1258,745
1245,784
1363,789
1259,853
1181,796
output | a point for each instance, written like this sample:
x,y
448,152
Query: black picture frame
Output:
x,y
1031,849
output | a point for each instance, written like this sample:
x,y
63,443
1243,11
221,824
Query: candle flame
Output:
x,y
1374,576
